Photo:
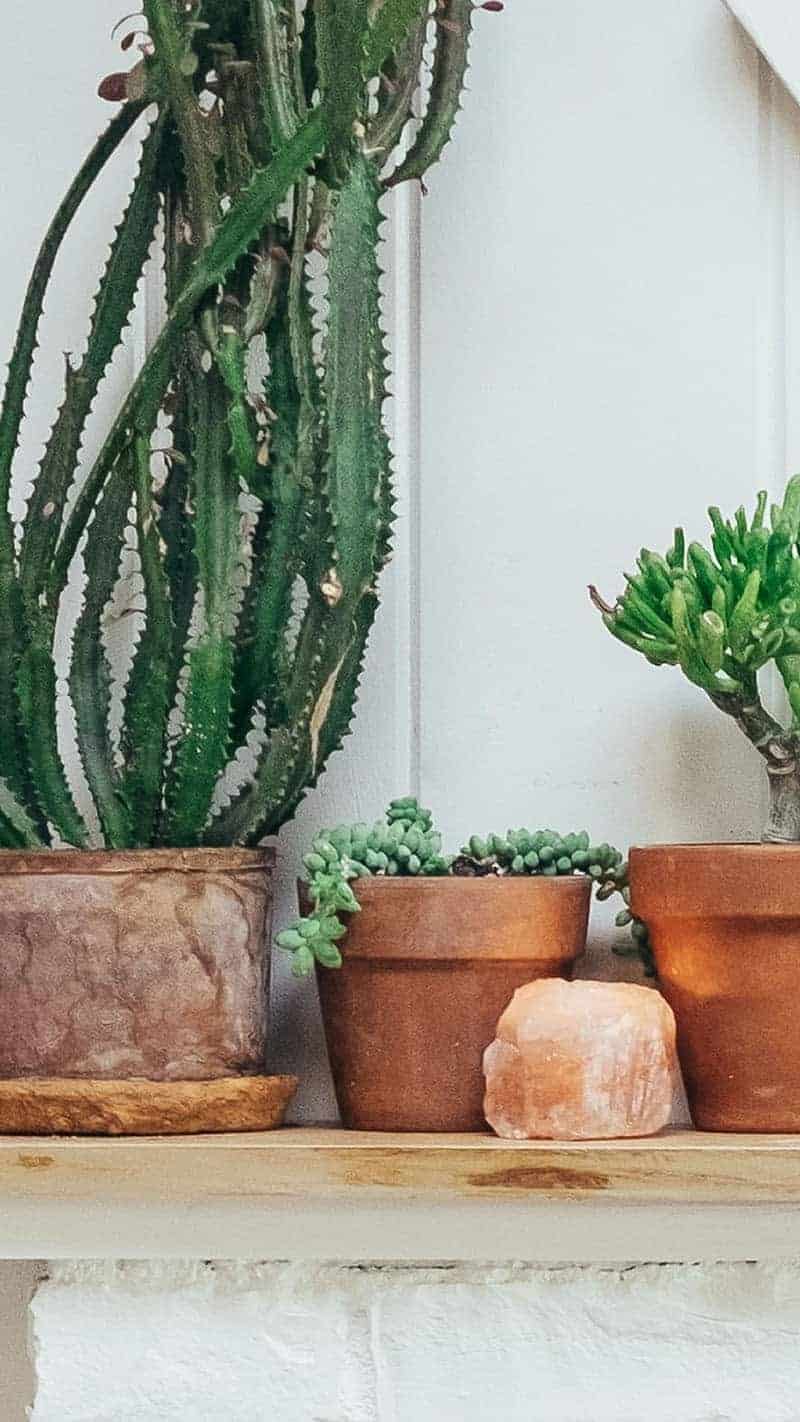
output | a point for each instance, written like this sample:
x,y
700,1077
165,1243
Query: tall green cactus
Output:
x,y
270,130
722,616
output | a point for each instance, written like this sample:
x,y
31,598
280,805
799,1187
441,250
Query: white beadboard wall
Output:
x,y
595,314
602,356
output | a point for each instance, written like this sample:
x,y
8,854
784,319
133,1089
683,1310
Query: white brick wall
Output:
x,y
279,1343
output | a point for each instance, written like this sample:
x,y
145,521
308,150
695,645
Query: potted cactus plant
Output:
x,y
238,514
433,948
724,919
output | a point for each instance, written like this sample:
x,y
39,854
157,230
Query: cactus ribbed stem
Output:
x,y
175,59
276,476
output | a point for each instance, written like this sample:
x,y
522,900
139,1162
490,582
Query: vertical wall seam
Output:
x,y
406,270
414,200
771,411
771,352
788,121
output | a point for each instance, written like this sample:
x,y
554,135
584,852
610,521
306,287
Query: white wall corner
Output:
x,y
774,27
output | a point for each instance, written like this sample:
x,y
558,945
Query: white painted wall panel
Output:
x,y
592,307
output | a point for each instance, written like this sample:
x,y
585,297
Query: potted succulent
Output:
x,y
434,947
724,919
235,520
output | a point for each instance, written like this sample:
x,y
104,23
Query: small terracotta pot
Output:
x,y
429,965
724,923
134,964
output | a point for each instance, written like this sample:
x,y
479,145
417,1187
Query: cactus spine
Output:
x,y
723,615
269,137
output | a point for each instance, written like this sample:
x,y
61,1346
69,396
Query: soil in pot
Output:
x,y
429,965
147,967
724,922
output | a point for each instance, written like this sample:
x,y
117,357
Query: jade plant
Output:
x,y
243,493
404,843
723,615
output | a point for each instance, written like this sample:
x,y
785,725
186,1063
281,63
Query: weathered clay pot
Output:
x,y
724,923
144,964
429,965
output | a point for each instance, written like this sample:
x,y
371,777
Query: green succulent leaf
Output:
x,y
149,691
37,694
450,65
341,36
391,27
90,673
358,451
112,310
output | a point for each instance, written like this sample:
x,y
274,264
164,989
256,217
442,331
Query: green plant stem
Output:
x,y
780,751
752,717
236,231
450,63
172,52
13,765
278,97
783,824
253,545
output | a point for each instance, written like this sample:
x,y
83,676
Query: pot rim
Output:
x,y
403,883
715,881
721,846
136,861
424,920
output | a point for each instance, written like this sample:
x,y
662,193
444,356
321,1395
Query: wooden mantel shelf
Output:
x,y
679,1167
330,1194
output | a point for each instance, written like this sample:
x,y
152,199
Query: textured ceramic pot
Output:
x,y
429,965
724,923
125,964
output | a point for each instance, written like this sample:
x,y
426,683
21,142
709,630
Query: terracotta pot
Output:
x,y
430,964
134,964
724,922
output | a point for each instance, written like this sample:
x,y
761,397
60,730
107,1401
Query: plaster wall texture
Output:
x,y
277,1343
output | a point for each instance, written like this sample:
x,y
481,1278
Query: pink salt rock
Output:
x,y
581,1061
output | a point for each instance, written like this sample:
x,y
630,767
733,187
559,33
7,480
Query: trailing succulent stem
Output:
x,y
248,472
405,844
723,615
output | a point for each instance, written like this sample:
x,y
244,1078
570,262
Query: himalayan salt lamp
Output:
x,y
581,1061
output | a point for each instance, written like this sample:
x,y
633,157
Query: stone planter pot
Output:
x,y
134,991
429,965
724,923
